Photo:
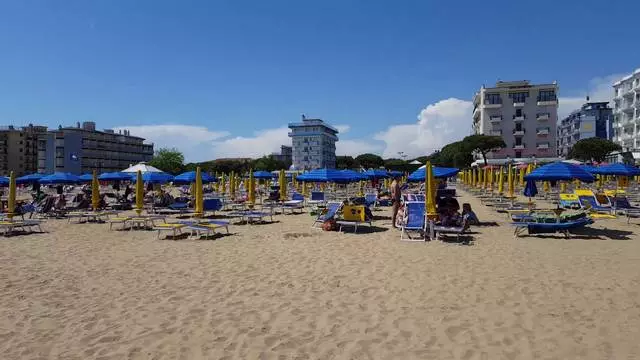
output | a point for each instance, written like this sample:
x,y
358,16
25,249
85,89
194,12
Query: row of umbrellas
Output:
x,y
67,178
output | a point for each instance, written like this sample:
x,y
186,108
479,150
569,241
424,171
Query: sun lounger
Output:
x,y
569,201
589,202
371,200
326,214
252,215
414,221
353,215
118,220
204,229
174,228
293,205
9,226
317,198
437,231
218,223
564,228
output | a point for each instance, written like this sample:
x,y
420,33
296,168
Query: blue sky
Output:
x,y
222,78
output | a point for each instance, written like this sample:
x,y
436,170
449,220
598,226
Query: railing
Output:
x,y
519,118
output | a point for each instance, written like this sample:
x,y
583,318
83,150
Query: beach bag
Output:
x,y
330,225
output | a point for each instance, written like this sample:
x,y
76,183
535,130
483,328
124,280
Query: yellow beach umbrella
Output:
x,y
563,187
294,182
282,180
473,177
12,195
501,181
430,190
252,188
224,184
95,191
491,178
522,171
139,193
546,186
510,180
199,205
232,190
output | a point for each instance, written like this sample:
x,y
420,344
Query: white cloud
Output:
x,y
342,129
263,142
598,89
438,124
357,147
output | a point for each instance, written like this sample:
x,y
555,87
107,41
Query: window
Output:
x,y
519,97
492,99
518,112
547,95
518,154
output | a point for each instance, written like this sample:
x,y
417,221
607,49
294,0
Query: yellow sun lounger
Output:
x,y
118,220
206,229
174,228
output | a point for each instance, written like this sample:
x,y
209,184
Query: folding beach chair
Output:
x,y
353,215
174,228
317,198
414,220
327,214
118,220
371,200
589,202
569,201
206,229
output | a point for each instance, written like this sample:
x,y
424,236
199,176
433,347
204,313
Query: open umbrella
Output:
x,y
4,181
59,178
85,178
29,179
115,176
438,173
326,175
372,174
189,177
262,175
355,176
154,177
559,171
617,169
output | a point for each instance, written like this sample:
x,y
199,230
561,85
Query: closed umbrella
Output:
x,y
223,184
252,189
199,203
430,191
232,185
95,191
530,190
510,180
546,186
522,173
501,181
139,193
11,203
282,181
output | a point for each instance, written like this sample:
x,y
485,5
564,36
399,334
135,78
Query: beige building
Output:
x,y
523,114
19,149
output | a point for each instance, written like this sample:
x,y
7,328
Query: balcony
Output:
x,y
493,106
547,103
519,118
476,112
518,104
519,146
543,117
542,146
542,132
519,132
495,119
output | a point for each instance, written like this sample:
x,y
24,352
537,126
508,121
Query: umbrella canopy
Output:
x,y
114,176
326,175
395,173
60,178
590,168
189,177
4,181
572,161
355,176
376,174
154,177
142,167
415,162
530,190
262,175
86,177
558,171
617,169
29,179
438,172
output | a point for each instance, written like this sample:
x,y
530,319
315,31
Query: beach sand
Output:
x,y
285,291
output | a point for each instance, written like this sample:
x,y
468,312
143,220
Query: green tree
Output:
x,y
268,163
456,154
346,162
592,149
483,144
370,161
168,160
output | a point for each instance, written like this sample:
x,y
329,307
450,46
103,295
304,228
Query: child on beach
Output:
x,y
472,218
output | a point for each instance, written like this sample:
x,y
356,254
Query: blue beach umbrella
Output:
x,y
189,177
395,173
326,175
530,189
618,169
4,181
59,178
355,176
590,168
376,174
438,172
559,171
154,177
115,176
262,175
29,179
86,177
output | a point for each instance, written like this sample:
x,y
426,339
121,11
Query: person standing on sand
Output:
x,y
396,194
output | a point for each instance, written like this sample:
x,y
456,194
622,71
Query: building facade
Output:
x,y
285,155
626,112
593,119
82,149
523,114
19,149
313,144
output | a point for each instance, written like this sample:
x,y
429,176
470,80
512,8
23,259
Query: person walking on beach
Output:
x,y
396,194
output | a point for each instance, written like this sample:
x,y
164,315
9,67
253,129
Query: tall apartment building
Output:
x,y
82,149
313,143
523,114
285,155
626,112
19,149
593,119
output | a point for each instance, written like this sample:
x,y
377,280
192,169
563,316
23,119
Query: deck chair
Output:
x,y
317,198
371,200
174,228
569,201
206,229
293,205
588,201
353,215
413,221
564,228
437,231
118,220
327,214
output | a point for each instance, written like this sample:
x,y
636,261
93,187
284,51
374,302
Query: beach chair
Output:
x,y
317,198
206,229
219,223
535,227
371,200
569,201
118,220
293,205
438,231
9,226
212,205
414,221
174,228
353,215
589,202
327,214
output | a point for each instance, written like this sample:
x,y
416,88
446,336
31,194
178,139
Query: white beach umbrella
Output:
x,y
142,167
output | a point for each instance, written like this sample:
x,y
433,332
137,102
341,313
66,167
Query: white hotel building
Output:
x,y
314,144
626,112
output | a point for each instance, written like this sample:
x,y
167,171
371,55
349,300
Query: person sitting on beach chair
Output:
x,y
469,215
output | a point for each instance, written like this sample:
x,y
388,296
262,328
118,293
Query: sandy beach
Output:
x,y
285,291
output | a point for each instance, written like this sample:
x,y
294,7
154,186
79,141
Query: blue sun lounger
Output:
x,y
327,214
414,221
564,228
